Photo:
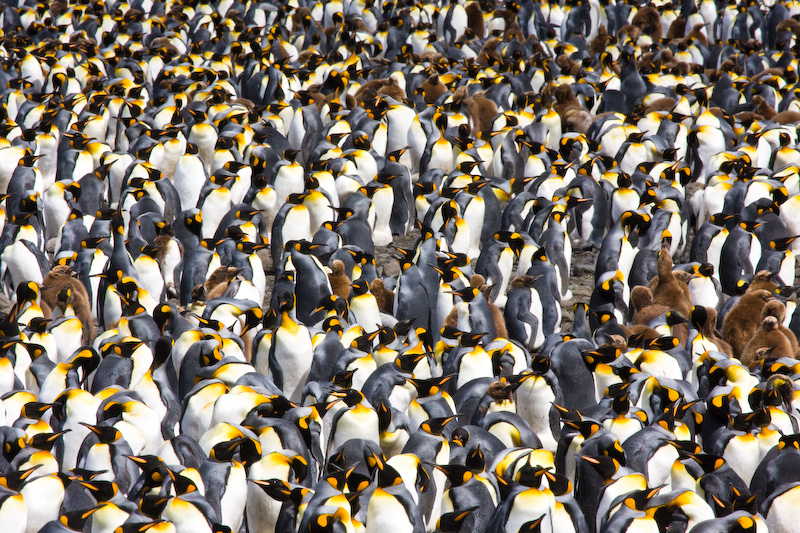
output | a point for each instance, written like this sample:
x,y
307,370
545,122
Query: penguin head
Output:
x,y
38,325
282,491
454,520
406,362
286,301
101,491
470,340
456,474
602,355
435,426
429,387
85,359
603,465
46,441
699,317
27,291
15,480
105,434
249,450
181,483
359,288
333,303
75,520
194,221
351,397
639,499
467,294
530,475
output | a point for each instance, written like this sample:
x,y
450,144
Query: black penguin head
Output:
x,y
435,426
46,441
194,222
182,484
35,410
456,474
15,480
105,434
470,340
287,301
351,397
75,520
359,288
101,491
467,294
429,387
406,362
38,325
453,520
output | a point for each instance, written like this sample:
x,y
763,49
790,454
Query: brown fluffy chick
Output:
x,y
489,55
777,309
481,111
218,281
475,20
383,296
696,34
744,319
573,115
432,89
340,282
600,42
648,20
763,281
54,297
644,310
669,291
393,90
767,339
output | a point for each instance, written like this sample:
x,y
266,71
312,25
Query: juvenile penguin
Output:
x,y
777,309
340,283
669,291
644,310
742,321
769,339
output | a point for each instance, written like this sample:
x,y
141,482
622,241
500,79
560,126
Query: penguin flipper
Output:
x,y
275,368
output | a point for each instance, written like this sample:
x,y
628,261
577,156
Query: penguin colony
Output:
x,y
199,338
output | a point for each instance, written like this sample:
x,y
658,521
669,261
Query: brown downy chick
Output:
x,y
340,282
218,281
481,112
393,90
432,89
573,115
489,55
744,319
769,336
696,34
383,296
777,309
648,20
59,278
669,291
644,311
598,44
763,281
475,20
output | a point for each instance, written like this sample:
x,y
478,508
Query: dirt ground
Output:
x,y
581,283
